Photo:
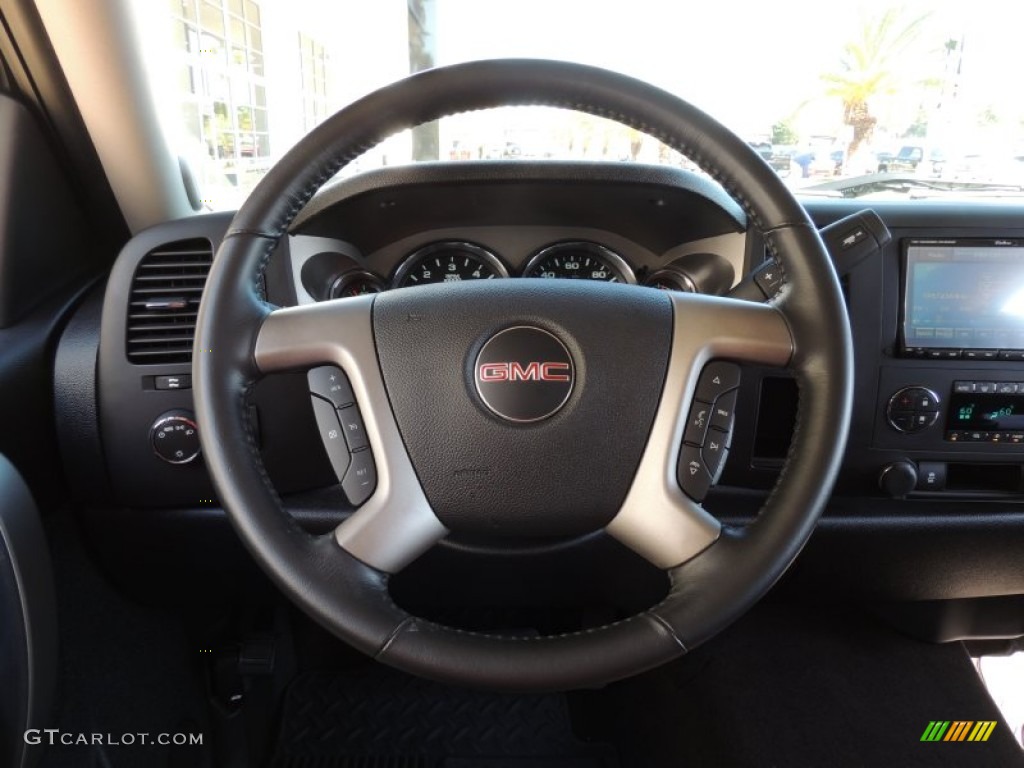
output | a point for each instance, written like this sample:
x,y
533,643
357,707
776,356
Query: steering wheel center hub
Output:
x,y
524,374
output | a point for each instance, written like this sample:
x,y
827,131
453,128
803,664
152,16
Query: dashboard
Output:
x,y
938,423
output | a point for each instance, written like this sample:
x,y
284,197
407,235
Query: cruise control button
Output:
x,y
714,452
331,384
692,474
330,432
723,416
716,379
361,479
697,423
353,427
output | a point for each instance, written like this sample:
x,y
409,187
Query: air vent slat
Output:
x,y
170,276
178,338
164,301
167,289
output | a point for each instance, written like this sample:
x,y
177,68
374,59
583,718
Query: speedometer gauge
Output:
x,y
580,261
448,262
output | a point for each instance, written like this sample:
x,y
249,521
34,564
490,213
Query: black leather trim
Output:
x,y
76,399
350,598
28,618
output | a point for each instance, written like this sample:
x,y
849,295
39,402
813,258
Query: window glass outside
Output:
x,y
923,90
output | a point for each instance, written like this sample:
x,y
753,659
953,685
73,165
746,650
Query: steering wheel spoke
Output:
x,y
658,520
396,524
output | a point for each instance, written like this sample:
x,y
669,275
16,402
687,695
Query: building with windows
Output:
x,y
254,76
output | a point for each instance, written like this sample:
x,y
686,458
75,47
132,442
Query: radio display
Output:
x,y
964,294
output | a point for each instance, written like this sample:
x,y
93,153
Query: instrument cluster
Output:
x,y
456,260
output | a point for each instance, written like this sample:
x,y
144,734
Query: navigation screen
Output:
x,y
964,294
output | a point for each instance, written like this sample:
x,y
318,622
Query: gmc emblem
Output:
x,y
530,372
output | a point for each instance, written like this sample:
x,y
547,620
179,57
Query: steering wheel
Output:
x,y
524,407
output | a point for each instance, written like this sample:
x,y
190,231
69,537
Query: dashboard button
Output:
x,y
924,400
697,424
985,387
716,379
903,400
976,437
172,382
904,422
361,479
931,476
1011,354
691,473
1006,388
924,419
963,387
1015,437
714,452
955,436
331,384
723,416
981,354
353,427
330,432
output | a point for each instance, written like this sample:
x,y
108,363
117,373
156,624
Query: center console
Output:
x,y
951,393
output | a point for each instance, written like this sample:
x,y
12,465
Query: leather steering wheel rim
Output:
x,y
349,597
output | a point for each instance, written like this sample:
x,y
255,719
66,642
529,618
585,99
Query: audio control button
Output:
x,y
692,474
716,379
697,424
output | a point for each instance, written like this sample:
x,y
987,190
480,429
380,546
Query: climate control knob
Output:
x,y
175,437
912,409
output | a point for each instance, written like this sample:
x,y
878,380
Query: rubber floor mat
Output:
x,y
380,718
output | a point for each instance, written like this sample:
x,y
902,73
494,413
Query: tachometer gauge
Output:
x,y
580,261
448,262
355,283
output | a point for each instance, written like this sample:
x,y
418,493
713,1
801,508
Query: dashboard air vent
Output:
x,y
165,293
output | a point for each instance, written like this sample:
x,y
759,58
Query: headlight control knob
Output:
x,y
175,437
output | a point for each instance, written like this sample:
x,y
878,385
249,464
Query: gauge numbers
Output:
x,y
448,262
579,261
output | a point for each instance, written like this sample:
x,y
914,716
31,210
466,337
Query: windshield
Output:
x,y
921,97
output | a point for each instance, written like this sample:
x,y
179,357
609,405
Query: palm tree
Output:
x,y
866,68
